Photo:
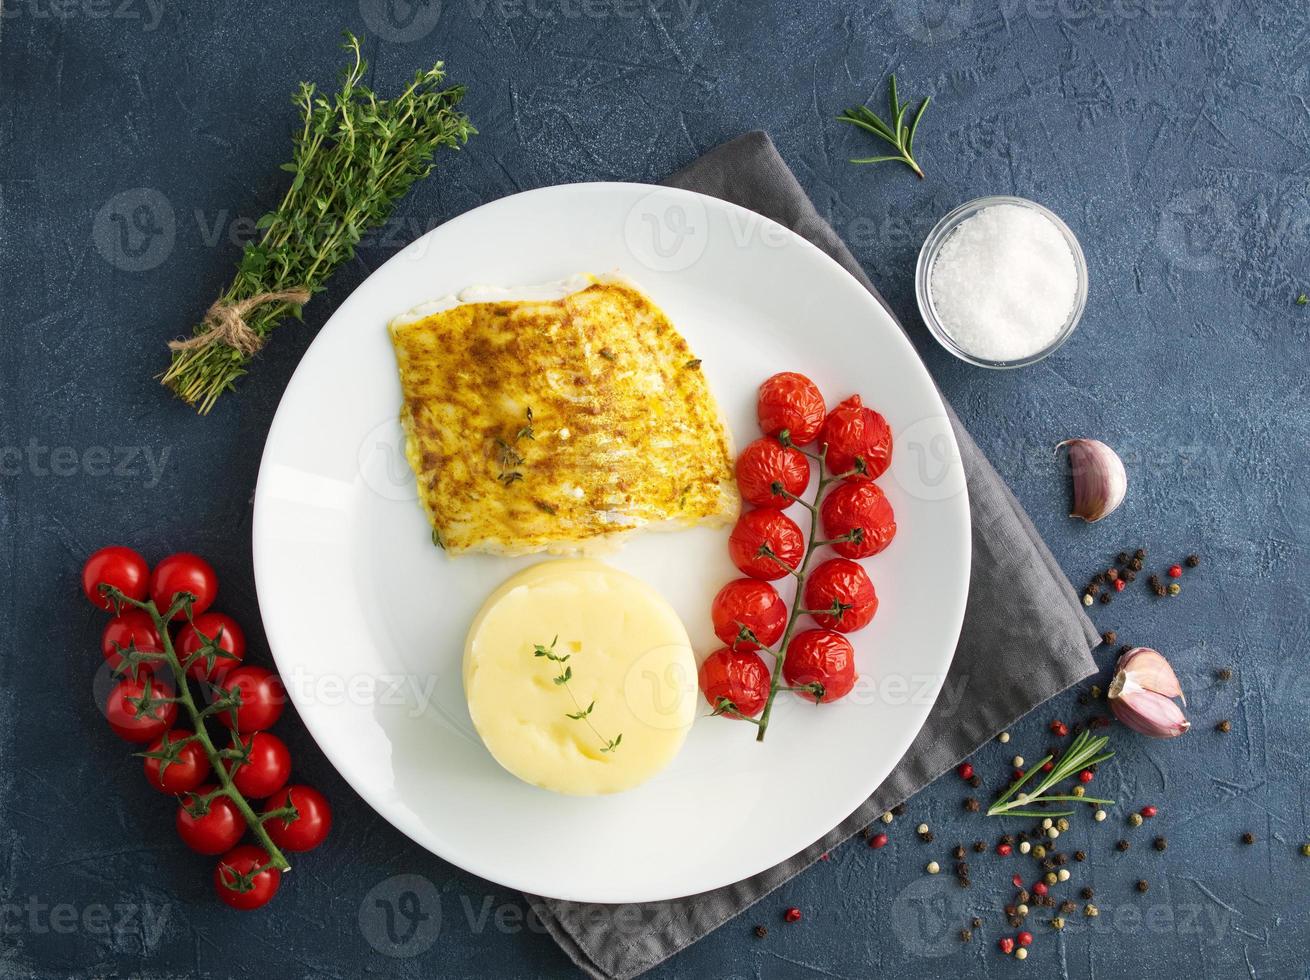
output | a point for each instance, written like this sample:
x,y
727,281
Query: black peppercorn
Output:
x,y
926,837
1105,598
1067,906
1098,578
1161,843
1139,554
1109,638
761,931
1248,838
959,852
1135,564
1154,580
1122,845
977,922
975,781
1087,893
1130,576
979,847
898,810
972,806
1111,574
1161,591
1122,558
1061,859
1124,649
1080,855
1224,726
1007,839
1193,560
1224,674
1143,885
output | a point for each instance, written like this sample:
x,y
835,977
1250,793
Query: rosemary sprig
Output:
x,y
1083,752
894,131
562,679
355,156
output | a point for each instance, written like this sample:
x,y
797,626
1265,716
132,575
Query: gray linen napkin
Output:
x,y
1022,617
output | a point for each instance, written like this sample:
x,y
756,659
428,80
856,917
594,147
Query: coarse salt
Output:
x,y
1004,283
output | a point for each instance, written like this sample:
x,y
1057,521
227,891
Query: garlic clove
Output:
x,y
1142,692
1148,713
1150,670
1099,478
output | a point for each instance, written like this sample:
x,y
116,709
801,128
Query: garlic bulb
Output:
x,y
1099,479
1142,692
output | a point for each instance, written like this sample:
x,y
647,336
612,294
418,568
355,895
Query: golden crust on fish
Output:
x,y
551,425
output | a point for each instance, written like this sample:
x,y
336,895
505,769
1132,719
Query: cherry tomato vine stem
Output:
x,y
800,572
182,603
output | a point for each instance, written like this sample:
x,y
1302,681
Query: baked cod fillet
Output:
x,y
551,424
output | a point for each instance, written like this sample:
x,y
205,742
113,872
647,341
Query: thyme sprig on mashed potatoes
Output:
x,y
562,679
355,156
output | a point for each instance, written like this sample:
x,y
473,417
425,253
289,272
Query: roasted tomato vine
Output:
x,y
748,614
766,544
770,474
791,403
857,439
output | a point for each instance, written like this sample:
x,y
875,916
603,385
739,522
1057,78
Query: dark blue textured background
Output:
x,y
1172,135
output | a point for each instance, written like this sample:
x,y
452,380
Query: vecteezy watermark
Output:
x,y
401,916
667,231
400,21
930,21
382,463
116,462
404,21
36,917
935,21
926,916
146,12
926,464
135,230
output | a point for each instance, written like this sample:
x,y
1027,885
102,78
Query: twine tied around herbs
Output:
x,y
225,322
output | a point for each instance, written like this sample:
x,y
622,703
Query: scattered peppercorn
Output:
x,y
1135,564
1130,576
1175,571
1080,855
965,770
1134,820
972,805
1006,945
1120,585
979,846
1224,726
1161,843
932,868
1004,850
1192,560
1025,938
1154,581
1039,888
1224,674
1059,728
1007,838
1085,776
898,810
1061,859
761,931
1139,554
1149,811
1143,885
926,837
1161,591
975,781
1109,638
1057,922
1175,588
1122,558
1091,911
976,922
1105,598
793,914
878,841
1122,845
966,936
1087,893
1111,574
1305,850
1248,838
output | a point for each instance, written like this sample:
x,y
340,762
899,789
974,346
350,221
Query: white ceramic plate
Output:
x,y
366,618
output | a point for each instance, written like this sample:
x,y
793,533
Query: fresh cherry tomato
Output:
x,y
767,464
184,773
859,505
739,676
266,768
130,628
120,567
262,698
214,831
214,625
184,572
793,402
769,529
851,430
841,583
752,604
310,825
823,657
125,714
239,881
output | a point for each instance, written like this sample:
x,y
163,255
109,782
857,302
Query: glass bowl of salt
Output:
x,y
1001,282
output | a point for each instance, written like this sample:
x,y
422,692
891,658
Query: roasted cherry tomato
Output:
x,y
859,505
851,431
739,676
751,604
310,825
767,465
184,572
793,402
239,881
215,830
130,628
120,567
266,767
262,698
822,657
844,587
759,532
137,722
187,771
216,626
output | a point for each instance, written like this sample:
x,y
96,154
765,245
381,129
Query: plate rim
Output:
x,y
472,863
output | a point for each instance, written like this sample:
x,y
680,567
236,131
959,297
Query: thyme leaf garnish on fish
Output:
x,y
509,457
895,130
562,679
